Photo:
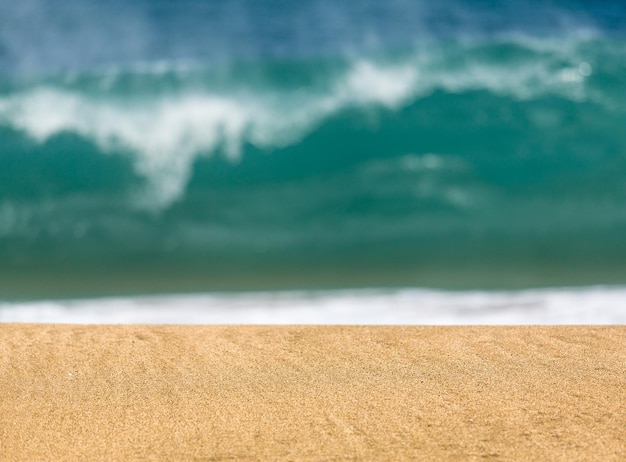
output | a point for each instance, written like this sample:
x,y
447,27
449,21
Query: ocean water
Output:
x,y
212,159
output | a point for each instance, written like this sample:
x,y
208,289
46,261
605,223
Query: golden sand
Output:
x,y
312,393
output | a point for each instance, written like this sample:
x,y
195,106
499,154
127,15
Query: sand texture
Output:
x,y
312,393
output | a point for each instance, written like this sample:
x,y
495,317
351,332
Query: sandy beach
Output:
x,y
312,393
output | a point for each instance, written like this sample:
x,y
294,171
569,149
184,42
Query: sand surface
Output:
x,y
312,393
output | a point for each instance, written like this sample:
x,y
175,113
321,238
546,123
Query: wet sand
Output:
x,y
312,393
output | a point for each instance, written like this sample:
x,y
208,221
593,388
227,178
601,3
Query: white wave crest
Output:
x,y
166,133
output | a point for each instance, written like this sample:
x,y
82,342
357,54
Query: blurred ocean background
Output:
x,y
319,161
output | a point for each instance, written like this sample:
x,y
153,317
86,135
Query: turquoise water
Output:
x,y
482,160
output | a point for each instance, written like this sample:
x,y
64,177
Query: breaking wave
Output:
x,y
164,117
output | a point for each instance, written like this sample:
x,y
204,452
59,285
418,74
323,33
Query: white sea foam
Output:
x,y
588,305
368,83
164,133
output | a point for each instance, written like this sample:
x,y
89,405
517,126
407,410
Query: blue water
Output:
x,y
161,146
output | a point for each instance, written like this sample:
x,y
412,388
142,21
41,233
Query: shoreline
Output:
x,y
129,392
591,305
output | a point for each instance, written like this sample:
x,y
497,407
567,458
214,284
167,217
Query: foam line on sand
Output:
x,y
312,392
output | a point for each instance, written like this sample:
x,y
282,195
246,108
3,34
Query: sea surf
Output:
x,y
321,148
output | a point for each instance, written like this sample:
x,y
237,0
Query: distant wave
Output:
x,y
86,34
